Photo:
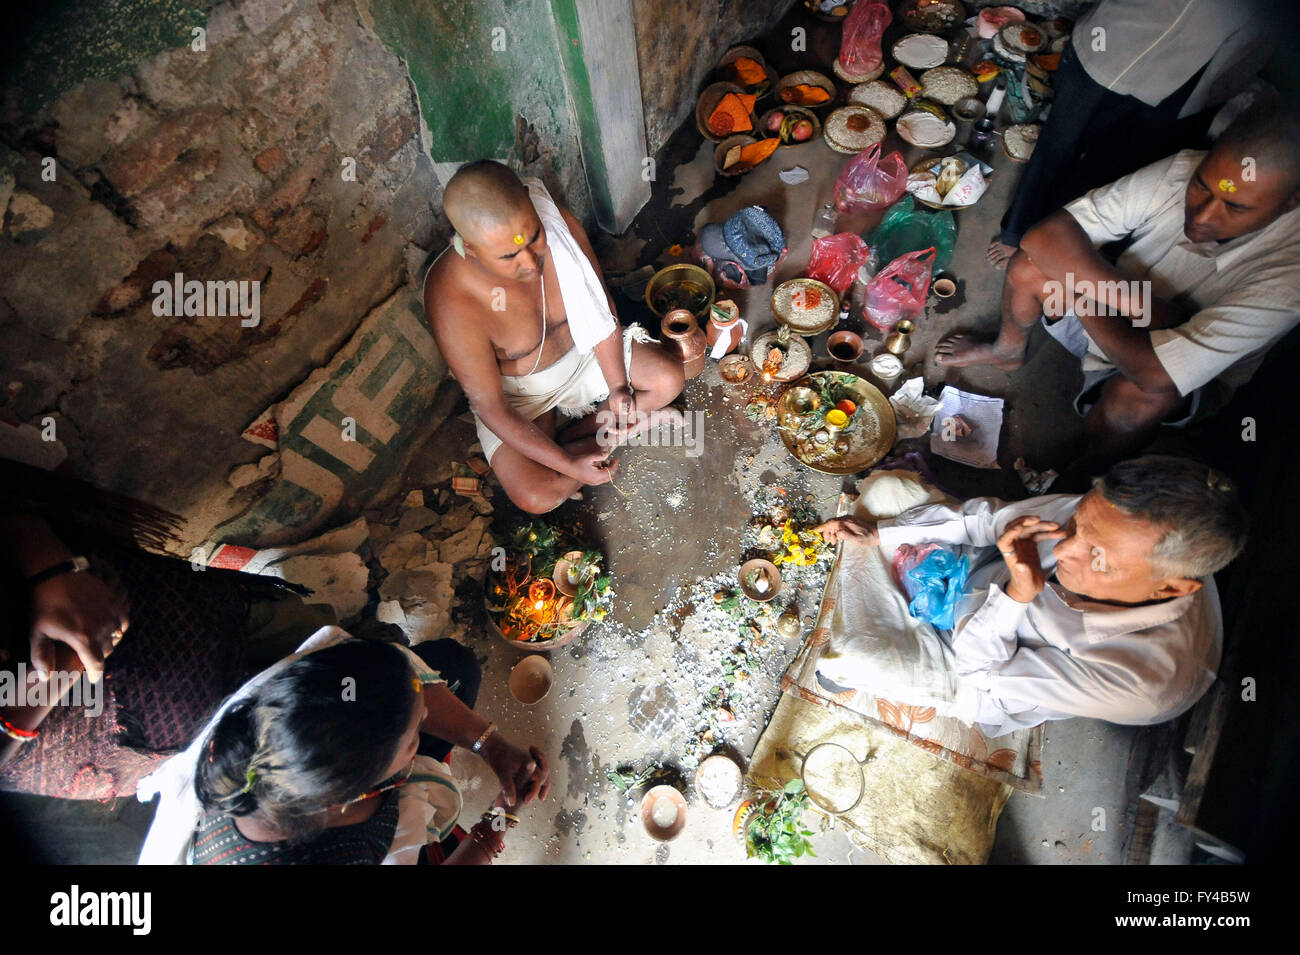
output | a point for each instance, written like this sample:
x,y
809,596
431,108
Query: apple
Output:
x,y
802,131
774,121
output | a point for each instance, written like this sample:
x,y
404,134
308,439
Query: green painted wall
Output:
x,y
470,93
52,48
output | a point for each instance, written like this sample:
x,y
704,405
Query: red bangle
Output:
x,y
21,735
489,843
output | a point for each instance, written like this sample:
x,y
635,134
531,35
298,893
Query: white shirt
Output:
x,y
1243,294
1061,655
1148,49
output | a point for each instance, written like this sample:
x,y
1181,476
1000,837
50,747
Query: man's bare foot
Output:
x,y
1000,253
647,422
964,348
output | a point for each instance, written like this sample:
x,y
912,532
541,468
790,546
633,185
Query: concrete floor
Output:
x,y
628,691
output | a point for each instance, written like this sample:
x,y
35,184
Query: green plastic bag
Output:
x,y
906,228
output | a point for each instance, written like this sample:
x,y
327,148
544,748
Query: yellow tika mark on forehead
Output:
x,y
1227,185
519,239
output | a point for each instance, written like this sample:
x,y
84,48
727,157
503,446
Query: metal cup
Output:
x,y
982,134
966,112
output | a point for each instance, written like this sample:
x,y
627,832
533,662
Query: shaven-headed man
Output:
x,y
526,324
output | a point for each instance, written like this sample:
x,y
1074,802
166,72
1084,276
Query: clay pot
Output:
x,y
729,328
531,679
685,341
844,346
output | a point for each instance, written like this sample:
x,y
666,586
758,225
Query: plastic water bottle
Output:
x,y
824,222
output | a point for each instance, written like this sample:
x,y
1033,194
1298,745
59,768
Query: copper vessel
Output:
x,y
685,340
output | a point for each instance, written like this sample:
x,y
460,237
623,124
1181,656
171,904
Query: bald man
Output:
x,y
1187,313
527,326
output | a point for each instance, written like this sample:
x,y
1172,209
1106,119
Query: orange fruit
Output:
x,y
846,406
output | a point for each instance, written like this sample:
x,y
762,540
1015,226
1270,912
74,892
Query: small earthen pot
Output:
x,y
845,347
728,328
663,826
531,679
685,341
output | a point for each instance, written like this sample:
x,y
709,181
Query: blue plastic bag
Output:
x,y
934,585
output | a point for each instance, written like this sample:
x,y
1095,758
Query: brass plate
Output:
x,y
785,312
874,432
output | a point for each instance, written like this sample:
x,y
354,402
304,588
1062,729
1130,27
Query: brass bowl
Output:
x,y
769,570
673,275
803,400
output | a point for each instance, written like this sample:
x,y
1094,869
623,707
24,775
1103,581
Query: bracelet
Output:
x,y
481,840
20,735
479,743
498,812
74,566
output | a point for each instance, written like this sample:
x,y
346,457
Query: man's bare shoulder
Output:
x,y
449,298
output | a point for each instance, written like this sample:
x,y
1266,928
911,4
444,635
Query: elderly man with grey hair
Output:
x,y
1099,605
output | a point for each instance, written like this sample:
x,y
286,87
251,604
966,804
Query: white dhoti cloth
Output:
x,y
574,384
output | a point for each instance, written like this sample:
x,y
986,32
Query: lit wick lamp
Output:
x,y
540,593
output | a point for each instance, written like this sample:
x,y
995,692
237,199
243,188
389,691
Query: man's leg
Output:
x,y
1077,98
1023,294
1125,419
656,379
532,486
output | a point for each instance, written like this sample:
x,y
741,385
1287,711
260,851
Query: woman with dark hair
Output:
x,y
334,756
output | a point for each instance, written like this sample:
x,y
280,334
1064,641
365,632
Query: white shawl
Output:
x,y
585,301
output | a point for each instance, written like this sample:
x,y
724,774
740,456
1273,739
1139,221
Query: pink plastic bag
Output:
x,y
898,291
860,43
868,182
907,556
836,259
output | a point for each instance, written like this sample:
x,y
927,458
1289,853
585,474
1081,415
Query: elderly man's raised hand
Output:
x,y
850,530
1019,547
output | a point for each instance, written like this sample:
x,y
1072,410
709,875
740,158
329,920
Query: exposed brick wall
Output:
x,y
679,43
227,164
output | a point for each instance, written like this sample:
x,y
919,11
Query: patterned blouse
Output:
x,y
218,841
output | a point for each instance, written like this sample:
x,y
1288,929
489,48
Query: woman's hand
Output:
x,y
1019,548
523,775
80,610
850,530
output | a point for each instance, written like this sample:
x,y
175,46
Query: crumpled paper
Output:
x,y
793,176
969,188
966,192
913,408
